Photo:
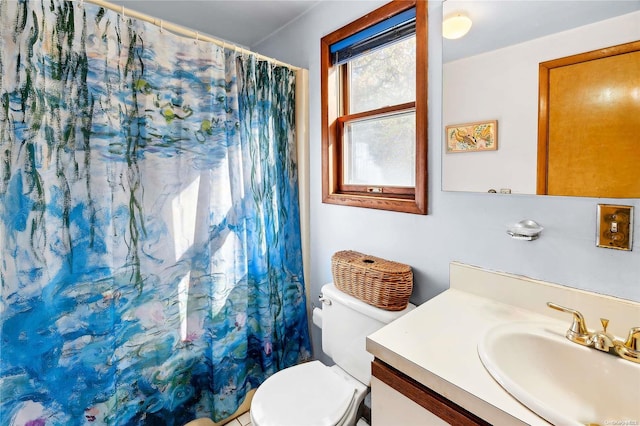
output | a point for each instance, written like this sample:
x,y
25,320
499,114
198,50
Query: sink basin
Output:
x,y
560,381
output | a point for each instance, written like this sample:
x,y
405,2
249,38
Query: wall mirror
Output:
x,y
491,75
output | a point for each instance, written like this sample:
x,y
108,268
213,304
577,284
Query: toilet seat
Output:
x,y
309,394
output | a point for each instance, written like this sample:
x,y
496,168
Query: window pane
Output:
x,y
381,151
384,77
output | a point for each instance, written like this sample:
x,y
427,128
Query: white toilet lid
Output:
x,y
309,394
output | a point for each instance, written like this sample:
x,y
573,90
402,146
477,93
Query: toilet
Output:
x,y
313,394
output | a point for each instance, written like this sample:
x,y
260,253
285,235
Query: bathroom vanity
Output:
x,y
427,369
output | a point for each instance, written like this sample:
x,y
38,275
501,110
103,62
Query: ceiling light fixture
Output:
x,y
456,26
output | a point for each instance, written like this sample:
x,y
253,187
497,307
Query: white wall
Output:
x,y
503,85
460,226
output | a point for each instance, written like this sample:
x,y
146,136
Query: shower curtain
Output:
x,y
150,254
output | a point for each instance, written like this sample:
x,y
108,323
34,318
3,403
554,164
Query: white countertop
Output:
x,y
436,343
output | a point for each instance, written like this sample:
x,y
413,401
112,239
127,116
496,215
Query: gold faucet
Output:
x,y
601,340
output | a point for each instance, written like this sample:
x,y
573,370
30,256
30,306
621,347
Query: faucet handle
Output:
x,y
630,350
633,341
577,332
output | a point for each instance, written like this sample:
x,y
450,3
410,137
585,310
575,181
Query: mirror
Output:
x,y
492,74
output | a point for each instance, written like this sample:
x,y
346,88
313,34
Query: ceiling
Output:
x,y
243,22
496,23
501,23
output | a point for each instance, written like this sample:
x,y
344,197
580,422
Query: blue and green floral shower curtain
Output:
x,y
150,255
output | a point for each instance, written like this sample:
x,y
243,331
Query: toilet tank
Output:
x,y
346,322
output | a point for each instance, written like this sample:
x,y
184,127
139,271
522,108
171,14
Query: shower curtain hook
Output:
x,y
123,15
81,4
161,25
197,36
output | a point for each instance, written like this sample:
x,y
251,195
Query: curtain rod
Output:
x,y
181,30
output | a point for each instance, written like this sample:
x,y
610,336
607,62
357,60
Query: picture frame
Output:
x,y
470,137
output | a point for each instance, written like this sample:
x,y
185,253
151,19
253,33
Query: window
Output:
x,y
374,110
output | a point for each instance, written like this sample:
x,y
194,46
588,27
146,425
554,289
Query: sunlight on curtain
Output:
x,y
150,254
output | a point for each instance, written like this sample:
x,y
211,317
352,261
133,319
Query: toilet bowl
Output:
x,y
313,394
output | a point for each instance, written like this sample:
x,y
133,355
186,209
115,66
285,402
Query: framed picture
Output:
x,y
478,136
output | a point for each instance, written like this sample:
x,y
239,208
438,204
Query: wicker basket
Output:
x,y
378,282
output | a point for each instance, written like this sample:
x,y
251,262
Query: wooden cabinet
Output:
x,y
398,399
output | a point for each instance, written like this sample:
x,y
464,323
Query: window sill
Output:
x,y
408,205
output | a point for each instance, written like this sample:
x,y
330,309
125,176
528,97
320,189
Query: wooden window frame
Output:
x,y
333,96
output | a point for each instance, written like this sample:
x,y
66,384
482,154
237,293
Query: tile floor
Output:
x,y
243,420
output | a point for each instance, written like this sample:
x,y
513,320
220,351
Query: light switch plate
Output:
x,y
615,226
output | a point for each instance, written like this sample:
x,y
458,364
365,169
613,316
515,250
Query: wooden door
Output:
x,y
592,145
